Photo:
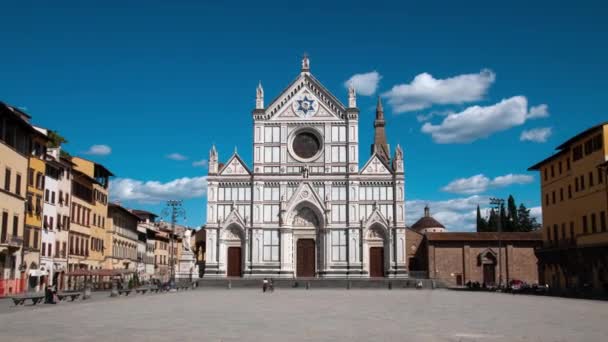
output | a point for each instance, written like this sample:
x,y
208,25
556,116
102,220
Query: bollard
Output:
x,y
390,285
308,285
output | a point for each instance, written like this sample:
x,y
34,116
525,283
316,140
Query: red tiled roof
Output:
x,y
485,236
426,222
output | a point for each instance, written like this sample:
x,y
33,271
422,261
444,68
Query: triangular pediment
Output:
x,y
235,167
376,166
375,217
234,218
305,192
305,98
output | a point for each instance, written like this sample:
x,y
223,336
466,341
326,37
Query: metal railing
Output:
x,y
11,240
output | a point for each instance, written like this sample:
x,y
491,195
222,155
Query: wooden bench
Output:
x,y
142,289
126,292
34,297
72,295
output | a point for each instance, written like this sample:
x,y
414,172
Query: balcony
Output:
x,y
559,244
11,242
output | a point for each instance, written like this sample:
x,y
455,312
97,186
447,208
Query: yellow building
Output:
x,y
122,239
80,222
97,209
15,148
33,217
574,190
161,255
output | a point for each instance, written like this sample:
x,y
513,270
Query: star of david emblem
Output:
x,y
306,105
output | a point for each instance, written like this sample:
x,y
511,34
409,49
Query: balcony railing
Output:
x,y
564,243
11,241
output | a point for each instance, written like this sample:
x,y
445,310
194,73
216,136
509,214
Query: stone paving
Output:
x,y
309,315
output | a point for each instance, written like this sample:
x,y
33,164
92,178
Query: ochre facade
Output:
x,y
574,194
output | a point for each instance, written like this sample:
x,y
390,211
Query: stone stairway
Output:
x,y
317,283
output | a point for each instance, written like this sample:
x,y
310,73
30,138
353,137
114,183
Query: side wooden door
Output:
x,y
234,262
376,262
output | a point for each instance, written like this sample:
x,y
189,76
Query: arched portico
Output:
x,y
308,240
232,241
376,250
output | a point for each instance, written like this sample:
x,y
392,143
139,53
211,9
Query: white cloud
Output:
x,y
200,163
458,214
365,84
537,213
480,183
127,189
176,156
540,111
472,185
539,135
425,91
99,150
478,122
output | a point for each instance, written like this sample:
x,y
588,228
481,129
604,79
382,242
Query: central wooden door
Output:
x,y
234,262
306,258
376,262
489,274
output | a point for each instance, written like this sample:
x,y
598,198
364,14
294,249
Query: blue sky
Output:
x,y
151,79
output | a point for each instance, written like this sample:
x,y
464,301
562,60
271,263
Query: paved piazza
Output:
x,y
313,315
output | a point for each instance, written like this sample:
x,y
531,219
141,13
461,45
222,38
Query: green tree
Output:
x,y
512,216
492,221
526,223
482,225
56,139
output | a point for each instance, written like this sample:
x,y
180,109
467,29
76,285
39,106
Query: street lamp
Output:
x,y
498,203
173,210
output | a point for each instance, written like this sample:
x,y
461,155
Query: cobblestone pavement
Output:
x,y
313,315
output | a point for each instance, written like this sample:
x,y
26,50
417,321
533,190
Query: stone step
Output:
x,y
312,283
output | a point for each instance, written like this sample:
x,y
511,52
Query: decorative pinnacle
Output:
x,y
379,109
305,63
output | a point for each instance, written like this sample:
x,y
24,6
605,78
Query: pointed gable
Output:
x,y
308,89
305,192
376,166
235,167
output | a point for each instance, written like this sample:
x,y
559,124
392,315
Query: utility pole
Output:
x,y
173,210
499,203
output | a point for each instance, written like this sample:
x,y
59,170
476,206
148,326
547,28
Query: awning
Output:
x,y
100,273
37,273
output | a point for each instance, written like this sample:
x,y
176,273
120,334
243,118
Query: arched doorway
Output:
x,y
308,241
233,239
375,241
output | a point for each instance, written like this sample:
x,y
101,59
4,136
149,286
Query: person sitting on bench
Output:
x,y
49,295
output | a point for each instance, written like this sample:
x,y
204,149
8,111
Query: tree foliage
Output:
x,y
511,218
56,139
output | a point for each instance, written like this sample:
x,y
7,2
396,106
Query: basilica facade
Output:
x,y
306,207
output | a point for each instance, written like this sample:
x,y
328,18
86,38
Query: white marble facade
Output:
x,y
306,208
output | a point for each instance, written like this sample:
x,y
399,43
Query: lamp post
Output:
x,y
498,203
173,210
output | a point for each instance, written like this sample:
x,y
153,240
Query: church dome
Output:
x,y
428,224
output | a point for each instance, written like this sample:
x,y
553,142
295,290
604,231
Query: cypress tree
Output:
x,y
512,220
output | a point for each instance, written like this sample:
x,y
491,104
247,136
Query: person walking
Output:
x,y
271,285
264,285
